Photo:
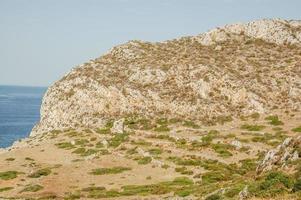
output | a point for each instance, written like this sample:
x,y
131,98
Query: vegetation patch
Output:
x,y
297,129
65,145
181,186
118,139
32,188
207,139
144,160
273,184
274,120
85,152
252,127
155,151
191,124
114,170
183,170
222,149
10,159
139,124
162,128
8,175
6,189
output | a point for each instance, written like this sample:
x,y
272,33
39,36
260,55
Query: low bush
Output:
x,y
114,170
252,127
32,188
8,175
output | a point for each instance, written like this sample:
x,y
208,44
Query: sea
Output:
x,y
19,112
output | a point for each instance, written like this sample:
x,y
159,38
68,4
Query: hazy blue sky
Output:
x,y
41,40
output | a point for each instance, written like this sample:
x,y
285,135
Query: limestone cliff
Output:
x,y
228,72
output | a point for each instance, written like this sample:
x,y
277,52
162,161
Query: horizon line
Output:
x,y
16,85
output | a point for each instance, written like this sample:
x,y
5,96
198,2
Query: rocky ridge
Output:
x,y
227,72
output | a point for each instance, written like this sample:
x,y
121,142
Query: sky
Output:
x,y
41,40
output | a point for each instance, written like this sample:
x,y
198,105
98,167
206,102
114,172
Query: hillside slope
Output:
x,y
228,72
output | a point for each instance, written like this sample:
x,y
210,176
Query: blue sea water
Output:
x,y
19,112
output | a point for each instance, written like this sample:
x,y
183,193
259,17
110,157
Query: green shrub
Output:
x,y
144,160
142,124
162,121
32,188
83,152
82,142
233,191
10,159
183,192
6,189
214,197
118,139
252,127
162,128
8,175
213,177
222,149
273,184
103,130
297,129
207,139
114,170
223,119
274,120
297,185
191,124
183,170
155,151
65,145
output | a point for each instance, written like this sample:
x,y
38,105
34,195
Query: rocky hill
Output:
x,y
214,116
228,72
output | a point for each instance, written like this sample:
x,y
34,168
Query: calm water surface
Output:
x,y
19,111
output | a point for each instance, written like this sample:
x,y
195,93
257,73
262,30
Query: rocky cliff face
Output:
x,y
228,72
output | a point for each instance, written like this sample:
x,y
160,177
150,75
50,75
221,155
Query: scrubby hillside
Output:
x,y
214,116
225,73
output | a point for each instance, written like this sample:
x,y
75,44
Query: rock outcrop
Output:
x,y
289,150
231,71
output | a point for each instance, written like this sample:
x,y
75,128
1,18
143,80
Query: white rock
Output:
x,y
118,126
157,163
295,156
237,144
105,143
142,152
